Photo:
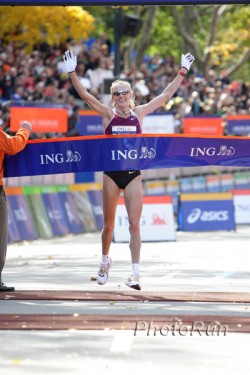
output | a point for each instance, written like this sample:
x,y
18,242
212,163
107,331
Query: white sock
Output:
x,y
135,269
105,259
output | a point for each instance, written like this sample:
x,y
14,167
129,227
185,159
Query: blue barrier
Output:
x,y
13,232
70,212
22,216
56,213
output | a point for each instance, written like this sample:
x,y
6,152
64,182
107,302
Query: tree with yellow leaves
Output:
x,y
36,24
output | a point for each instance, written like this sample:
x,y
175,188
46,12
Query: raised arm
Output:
x,y
143,110
70,62
12,145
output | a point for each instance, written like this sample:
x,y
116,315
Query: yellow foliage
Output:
x,y
53,24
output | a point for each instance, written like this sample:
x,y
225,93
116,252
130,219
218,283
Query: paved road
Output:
x,y
213,265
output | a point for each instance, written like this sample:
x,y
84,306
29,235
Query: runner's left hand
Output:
x,y
187,60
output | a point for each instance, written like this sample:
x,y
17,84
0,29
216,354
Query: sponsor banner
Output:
x,y
131,152
206,196
38,211
186,184
13,232
238,125
154,187
241,199
22,217
172,187
206,212
84,210
242,180
226,181
157,220
158,123
199,184
203,125
43,120
95,198
90,123
86,186
55,211
70,212
213,183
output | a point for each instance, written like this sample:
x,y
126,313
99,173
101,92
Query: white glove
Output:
x,y
26,125
187,60
69,60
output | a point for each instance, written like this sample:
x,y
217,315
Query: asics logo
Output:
x,y
198,215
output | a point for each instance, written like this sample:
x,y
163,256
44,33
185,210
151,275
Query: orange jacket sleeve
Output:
x,y
12,145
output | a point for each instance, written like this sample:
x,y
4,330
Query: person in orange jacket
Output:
x,y
8,145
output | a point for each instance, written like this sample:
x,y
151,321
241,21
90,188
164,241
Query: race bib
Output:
x,y
124,129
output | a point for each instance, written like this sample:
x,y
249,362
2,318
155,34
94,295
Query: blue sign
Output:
x,y
90,124
199,184
238,127
207,215
70,212
13,233
95,197
22,216
56,213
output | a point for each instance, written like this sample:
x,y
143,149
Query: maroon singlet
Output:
x,y
121,125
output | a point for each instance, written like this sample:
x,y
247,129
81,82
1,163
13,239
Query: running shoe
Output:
x,y
133,282
103,273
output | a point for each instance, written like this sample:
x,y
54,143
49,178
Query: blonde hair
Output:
x,y
128,85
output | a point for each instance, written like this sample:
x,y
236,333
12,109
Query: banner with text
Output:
x,y
20,216
238,125
204,125
43,119
90,123
206,211
131,152
157,220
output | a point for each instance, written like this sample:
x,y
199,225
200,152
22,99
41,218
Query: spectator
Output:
x,y
39,76
8,145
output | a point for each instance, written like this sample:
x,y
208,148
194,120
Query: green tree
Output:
x,y
104,20
53,24
217,35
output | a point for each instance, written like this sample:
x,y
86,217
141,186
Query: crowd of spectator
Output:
x,y
39,76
